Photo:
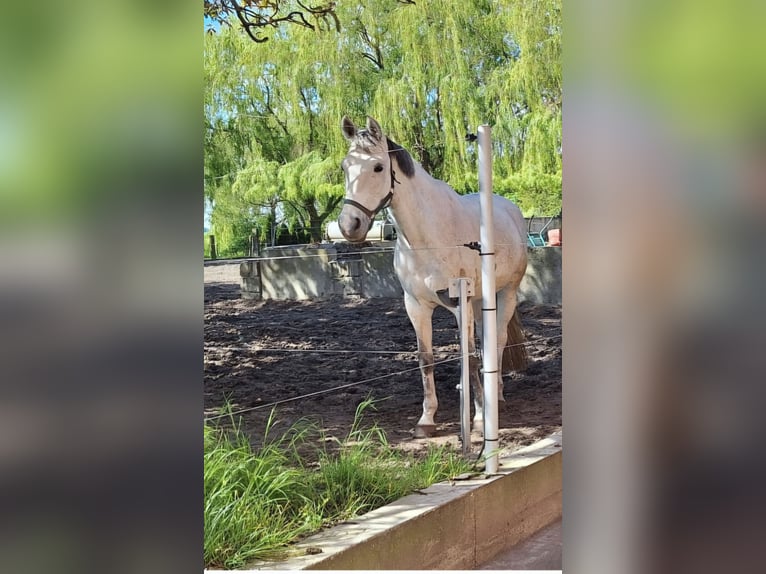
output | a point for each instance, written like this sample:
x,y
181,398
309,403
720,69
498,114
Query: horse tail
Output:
x,y
515,353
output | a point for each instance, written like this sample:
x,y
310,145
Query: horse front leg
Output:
x,y
420,317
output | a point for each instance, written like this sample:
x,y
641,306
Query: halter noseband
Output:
x,y
384,203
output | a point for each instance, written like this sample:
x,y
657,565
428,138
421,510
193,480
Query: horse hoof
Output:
x,y
425,431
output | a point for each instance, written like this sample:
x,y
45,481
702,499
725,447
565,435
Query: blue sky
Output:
x,y
206,215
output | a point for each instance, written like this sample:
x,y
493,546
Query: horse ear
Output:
x,y
374,128
348,127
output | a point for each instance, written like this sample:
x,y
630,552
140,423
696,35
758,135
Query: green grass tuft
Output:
x,y
257,501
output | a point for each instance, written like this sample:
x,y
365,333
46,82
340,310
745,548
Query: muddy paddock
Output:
x,y
261,352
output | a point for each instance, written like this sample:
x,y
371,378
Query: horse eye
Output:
x,y
379,167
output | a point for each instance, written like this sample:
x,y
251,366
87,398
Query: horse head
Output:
x,y
369,178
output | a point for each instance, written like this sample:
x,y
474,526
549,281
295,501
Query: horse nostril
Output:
x,y
357,223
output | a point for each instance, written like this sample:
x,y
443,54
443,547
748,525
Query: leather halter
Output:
x,y
384,203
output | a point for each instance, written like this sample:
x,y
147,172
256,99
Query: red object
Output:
x,y
554,237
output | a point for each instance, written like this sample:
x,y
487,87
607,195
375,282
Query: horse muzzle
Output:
x,y
354,224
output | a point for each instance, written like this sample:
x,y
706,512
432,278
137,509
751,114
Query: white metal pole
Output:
x,y
488,301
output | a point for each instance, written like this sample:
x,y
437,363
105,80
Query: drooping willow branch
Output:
x,y
256,15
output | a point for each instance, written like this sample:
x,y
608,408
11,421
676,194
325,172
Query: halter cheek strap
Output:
x,y
384,203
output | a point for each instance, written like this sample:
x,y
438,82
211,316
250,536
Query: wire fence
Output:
x,y
340,387
343,250
346,249
325,391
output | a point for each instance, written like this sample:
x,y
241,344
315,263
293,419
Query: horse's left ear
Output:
x,y
374,128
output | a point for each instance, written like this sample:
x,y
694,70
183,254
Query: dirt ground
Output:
x,y
310,346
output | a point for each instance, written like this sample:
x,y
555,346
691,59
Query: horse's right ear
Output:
x,y
348,127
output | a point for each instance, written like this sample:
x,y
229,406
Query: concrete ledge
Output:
x,y
451,525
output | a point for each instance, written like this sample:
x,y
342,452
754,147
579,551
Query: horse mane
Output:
x,y
402,157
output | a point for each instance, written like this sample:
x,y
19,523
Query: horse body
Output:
x,y
434,224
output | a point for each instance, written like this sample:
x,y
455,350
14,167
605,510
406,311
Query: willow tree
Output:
x,y
429,72
311,187
528,98
461,64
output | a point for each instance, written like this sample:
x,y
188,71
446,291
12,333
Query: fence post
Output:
x,y
462,287
255,245
213,254
488,301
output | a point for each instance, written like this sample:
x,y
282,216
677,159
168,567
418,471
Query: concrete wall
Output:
x,y
542,282
318,272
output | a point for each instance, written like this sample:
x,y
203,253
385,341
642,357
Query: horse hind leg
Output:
x,y
511,353
511,341
474,363
420,317
515,357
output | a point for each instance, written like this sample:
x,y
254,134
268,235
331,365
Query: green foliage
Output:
x,y
206,245
232,222
536,194
258,500
233,239
429,72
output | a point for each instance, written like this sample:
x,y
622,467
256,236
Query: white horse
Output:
x,y
433,225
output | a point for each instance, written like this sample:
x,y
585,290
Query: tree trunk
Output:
x,y
213,251
315,222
